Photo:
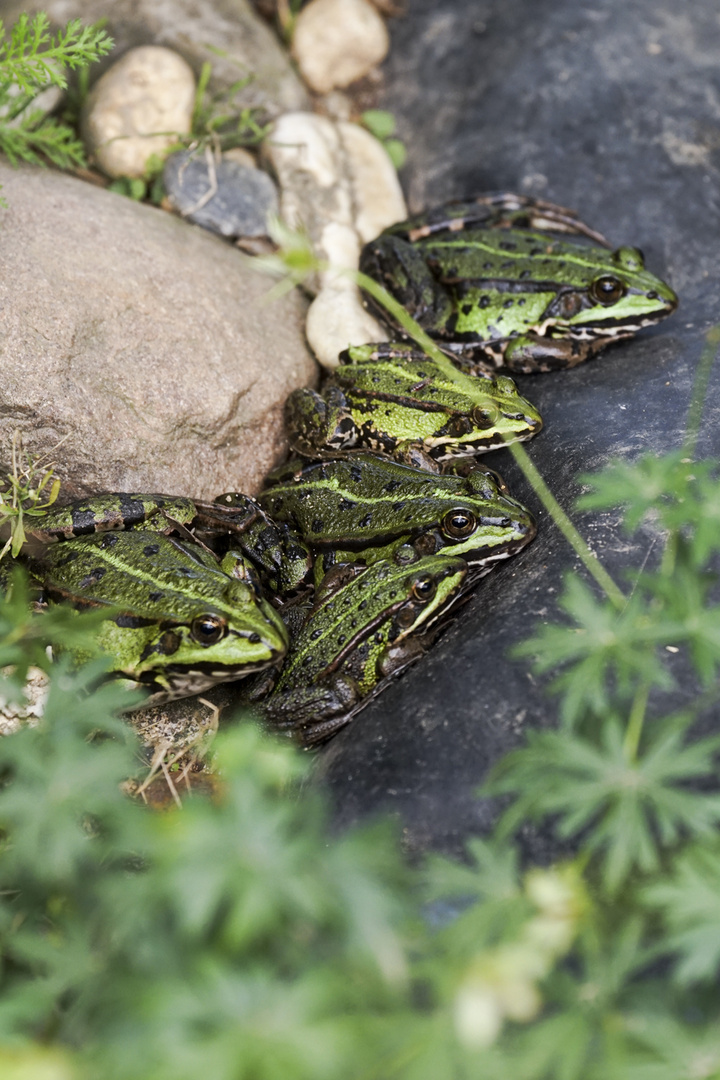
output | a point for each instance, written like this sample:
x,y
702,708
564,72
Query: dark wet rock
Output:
x,y
223,196
609,109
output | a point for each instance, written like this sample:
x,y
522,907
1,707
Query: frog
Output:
x,y
179,620
107,511
230,520
392,398
282,559
354,638
484,281
367,508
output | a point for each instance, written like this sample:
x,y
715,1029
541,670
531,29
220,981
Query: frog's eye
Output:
x,y
607,290
208,629
458,524
423,587
484,416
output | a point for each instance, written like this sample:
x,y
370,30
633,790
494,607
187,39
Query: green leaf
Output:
x,y
396,152
632,809
379,123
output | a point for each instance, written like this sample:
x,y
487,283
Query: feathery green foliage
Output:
x,y
31,60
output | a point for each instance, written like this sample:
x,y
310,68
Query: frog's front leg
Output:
x,y
402,269
531,353
319,425
310,714
407,452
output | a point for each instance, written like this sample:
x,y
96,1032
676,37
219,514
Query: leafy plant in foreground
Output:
x,y
31,60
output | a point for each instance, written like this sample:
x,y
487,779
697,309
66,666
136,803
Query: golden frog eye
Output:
x,y
458,524
424,587
607,290
208,629
484,416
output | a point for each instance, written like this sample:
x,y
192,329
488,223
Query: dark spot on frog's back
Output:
x,y
68,558
467,309
154,597
108,541
365,521
356,473
317,525
151,549
92,578
132,622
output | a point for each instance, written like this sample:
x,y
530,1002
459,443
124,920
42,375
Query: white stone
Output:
x,y
336,319
241,156
339,186
336,42
137,109
377,195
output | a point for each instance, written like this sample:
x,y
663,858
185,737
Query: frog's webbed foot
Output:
x,y
531,353
311,714
409,453
319,425
402,269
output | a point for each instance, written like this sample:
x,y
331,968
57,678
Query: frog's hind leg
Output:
x,y
532,353
402,269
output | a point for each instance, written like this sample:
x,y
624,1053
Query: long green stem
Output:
x,y
699,392
591,563
416,332
636,720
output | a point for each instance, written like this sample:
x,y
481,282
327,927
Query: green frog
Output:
x,y
367,508
356,635
481,279
393,399
178,620
105,512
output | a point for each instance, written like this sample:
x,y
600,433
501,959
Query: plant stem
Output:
x,y
699,392
636,720
591,563
469,383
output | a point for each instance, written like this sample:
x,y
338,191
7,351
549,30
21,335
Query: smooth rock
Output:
x,y
224,196
225,33
336,42
328,190
141,341
137,110
575,103
378,200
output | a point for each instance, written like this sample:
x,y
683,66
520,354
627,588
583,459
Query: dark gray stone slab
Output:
x,y
612,109
224,196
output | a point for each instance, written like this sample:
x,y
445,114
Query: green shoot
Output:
x,y
28,490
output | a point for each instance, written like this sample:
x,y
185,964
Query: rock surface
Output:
x,y
141,340
137,110
226,33
241,198
336,42
604,108
337,184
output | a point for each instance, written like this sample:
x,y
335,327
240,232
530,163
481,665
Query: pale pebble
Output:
x,y
137,110
336,42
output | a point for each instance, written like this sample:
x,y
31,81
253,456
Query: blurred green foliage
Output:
x,y
236,937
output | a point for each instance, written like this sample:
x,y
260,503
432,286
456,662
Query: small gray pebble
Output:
x,y
240,206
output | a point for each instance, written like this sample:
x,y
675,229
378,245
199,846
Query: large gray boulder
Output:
x,y
141,341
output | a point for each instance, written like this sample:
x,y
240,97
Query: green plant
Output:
x,y
381,124
28,490
31,60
